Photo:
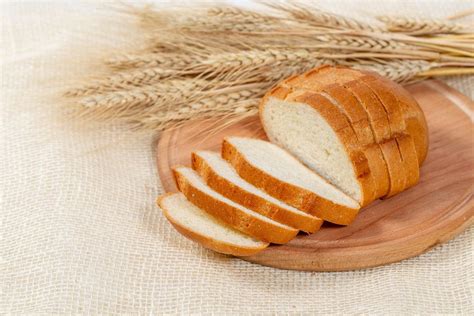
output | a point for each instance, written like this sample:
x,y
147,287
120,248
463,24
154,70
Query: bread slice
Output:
x,y
233,214
371,94
344,99
373,107
197,225
358,118
281,175
223,178
313,129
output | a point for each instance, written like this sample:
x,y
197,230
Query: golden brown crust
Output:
x,y
232,216
390,104
379,170
354,112
377,116
293,195
206,241
415,120
409,160
396,170
304,222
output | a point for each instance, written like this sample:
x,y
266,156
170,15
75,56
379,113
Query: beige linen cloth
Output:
x,y
80,230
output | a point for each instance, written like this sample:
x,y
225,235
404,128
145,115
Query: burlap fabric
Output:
x,y
80,230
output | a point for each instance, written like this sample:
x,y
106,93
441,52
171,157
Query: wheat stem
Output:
x,y
446,72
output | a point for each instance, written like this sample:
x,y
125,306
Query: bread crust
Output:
x,y
356,115
390,104
409,159
415,120
207,241
304,222
379,170
377,116
233,216
396,170
295,196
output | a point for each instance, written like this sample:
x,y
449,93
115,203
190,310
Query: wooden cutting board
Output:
x,y
432,212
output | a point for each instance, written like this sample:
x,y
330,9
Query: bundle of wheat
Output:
x,y
220,61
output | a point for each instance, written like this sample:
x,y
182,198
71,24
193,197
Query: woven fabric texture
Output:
x,y
80,230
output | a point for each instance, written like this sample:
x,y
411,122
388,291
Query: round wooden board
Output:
x,y
406,225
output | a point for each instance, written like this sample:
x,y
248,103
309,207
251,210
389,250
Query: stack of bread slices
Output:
x,y
339,139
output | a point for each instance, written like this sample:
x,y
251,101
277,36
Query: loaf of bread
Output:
x,y
339,139
378,129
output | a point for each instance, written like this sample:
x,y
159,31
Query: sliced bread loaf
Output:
x,y
233,214
281,175
200,226
314,130
223,178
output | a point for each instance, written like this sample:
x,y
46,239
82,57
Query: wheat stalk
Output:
x,y
219,61
124,80
178,89
367,43
311,16
152,60
402,71
236,20
148,115
417,26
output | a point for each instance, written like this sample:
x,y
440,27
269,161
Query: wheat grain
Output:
x,y
402,71
142,110
146,96
120,81
231,19
417,26
163,60
306,14
362,42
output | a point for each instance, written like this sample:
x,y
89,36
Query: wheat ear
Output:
x,y
417,26
120,81
402,71
309,15
152,60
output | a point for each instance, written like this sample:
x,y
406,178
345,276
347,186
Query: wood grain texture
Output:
x,y
434,211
